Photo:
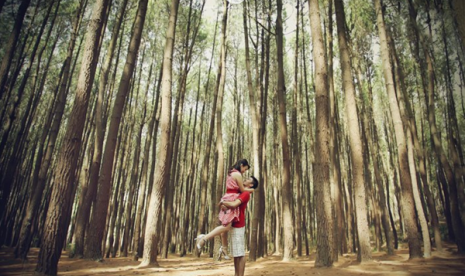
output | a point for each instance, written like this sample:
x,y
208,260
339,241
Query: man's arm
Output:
x,y
232,204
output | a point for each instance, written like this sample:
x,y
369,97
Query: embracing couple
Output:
x,y
232,216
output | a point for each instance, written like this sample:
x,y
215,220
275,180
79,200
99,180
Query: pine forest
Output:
x,y
124,122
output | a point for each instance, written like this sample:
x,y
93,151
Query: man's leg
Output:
x,y
237,236
236,266
240,266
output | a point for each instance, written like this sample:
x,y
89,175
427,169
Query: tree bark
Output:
x,y
407,201
219,127
419,151
321,179
356,151
407,118
459,10
59,212
442,159
11,45
253,103
296,141
137,252
88,192
93,248
22,247
209,141
286,181
163,165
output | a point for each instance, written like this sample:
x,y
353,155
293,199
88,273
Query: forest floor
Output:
x,y
441,263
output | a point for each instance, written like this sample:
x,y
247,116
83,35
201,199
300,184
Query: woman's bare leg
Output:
x,y
215,232
224,239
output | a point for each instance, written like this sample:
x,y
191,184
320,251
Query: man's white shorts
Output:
x,y
237,237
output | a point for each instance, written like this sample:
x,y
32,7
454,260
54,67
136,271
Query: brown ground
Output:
x,y
441,263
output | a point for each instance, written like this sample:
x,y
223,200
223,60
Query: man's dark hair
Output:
x,y
254,182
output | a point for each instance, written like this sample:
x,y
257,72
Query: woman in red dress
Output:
x,y
234,186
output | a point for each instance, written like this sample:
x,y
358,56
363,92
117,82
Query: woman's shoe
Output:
x,y
200,239
224,252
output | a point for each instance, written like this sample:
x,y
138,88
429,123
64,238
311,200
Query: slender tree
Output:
x,y
339,227
286,181
407,201
363,232
253,103
297,172
93,248
163,164
89,190
137,251
220,84
59,212
419,150
206,159
39,174
458,10
321,165
11,45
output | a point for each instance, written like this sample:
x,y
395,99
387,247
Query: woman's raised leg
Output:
x,y
215,232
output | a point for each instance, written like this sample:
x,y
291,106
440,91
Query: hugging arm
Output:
x,y
231,204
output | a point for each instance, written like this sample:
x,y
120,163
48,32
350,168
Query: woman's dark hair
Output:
x,y
255,182
238,164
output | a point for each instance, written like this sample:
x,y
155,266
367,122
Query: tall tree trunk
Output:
x,y
339,227
163,165
219,127
11,45
265,79
59,212
286,182
455,146
321,165
253,103
118,204
134,182
296,141
309,129
371,131
407,118
459,10
39,179
457,223
29,220
407,201
93,248
206,158
157,114
13,112
356,151
88,192
191,173
276,182
177,124
137,252
419,151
